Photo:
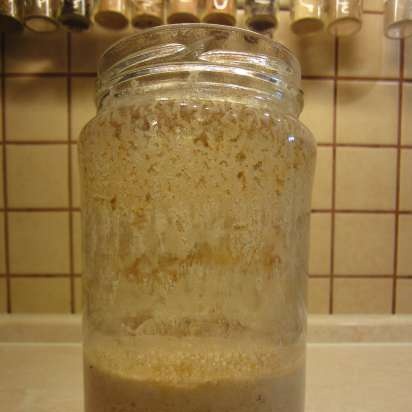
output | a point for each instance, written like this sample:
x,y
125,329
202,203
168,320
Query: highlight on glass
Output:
x,y
398,19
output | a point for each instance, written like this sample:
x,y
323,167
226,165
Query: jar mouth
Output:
x,y
194,48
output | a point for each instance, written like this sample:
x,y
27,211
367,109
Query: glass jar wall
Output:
x,y
196,181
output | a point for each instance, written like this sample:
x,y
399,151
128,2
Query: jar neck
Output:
x,y
196,56
205,81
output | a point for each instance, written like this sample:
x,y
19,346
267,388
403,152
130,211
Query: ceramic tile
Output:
x,y
30,52
83,107
88,47
407,114
2,245
365,178
360,109
77,240
318,295
405,191
39,242
373,5
75,177
408,59
3,295
318,109
405,245
362,296
36,108
404,296
37,175
364,244
40,295
78,295
320,239
322,185
369,53
315,53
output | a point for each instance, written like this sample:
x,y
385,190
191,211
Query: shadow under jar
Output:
x,y
196,186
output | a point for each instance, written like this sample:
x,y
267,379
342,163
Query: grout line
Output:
x,y
367,145
398,174
5,180
360,211
332,230
363,276
70,177
354,276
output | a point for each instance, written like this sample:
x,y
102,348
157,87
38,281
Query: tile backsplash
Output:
x,y
358,103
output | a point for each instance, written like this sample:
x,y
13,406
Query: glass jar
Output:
x,y
196,185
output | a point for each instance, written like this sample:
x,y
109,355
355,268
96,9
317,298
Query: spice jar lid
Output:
x,y
225,19
41,24
262,22
306,25
111,19
146,21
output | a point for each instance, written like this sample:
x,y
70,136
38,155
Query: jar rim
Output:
x,y
199,46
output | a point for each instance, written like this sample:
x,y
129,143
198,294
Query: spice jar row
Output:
x,y
338,17
77,15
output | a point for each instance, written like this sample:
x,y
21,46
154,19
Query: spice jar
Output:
x,y
182,11
41,15
307,16
220,12
75,14
112,14
345,17
398,19
196,180
11,16
261,15
147,13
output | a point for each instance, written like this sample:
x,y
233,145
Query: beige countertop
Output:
x,y
354,364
